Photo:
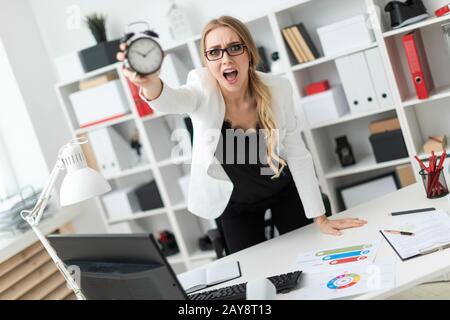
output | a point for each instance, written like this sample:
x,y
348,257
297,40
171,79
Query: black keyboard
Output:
x,y
282,282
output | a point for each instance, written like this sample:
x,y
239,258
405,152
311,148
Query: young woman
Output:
x,y
228,102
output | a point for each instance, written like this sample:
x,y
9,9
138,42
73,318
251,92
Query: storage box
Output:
x,y
100,55
317,87
99,104
97,81
121,203
388,145
384,125
326,106
436,144
345,35
148,196
405,175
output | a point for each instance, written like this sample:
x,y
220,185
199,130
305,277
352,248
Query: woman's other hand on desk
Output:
x,y
151,84
334,227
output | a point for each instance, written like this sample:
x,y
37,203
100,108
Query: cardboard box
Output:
x,y
405,175
384,125
345,35
437,144
325,106
91,83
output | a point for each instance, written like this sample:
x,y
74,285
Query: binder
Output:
x,y
418,64
291,45
297,45
112,152
308,40
301,41
379,78
356,80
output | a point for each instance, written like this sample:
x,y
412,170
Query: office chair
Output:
x,y
218,240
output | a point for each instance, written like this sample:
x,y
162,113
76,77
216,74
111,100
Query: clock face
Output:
x,y
144,55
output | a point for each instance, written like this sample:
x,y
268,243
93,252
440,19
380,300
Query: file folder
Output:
x,y
379,78
112,152
355,77
418,64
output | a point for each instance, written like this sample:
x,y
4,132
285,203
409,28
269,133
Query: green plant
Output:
x,y
96,23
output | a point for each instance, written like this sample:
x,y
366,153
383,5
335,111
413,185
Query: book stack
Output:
x,y
300,43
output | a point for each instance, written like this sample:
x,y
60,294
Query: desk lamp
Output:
x,y
81,183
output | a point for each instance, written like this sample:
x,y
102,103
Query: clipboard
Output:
x,y
432,234
423,253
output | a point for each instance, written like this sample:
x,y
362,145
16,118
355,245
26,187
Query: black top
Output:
x,y
250,174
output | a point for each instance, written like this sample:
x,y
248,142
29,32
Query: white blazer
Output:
x,y
210,188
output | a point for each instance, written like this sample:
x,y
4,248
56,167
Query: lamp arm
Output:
x,y
34,216
72,284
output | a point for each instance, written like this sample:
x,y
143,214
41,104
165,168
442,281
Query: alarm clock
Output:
x,y
143,55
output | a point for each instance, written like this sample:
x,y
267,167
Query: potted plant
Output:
x,y
104,52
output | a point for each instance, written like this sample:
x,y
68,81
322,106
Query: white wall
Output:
x,y
23,155
54,17
33,70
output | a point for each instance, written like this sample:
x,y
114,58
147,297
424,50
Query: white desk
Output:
x,y
278,255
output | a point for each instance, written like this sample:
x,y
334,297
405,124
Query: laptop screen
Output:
x,y
119,266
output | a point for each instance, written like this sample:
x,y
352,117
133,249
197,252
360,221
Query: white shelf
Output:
x,y
129,172
139,215
180,206
177,160
152,116
435,94
105,124
201,255
427,22
350,117
93,73
321,60
176,258
426,156
364,163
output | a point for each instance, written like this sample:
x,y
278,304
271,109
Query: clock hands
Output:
x,y
139,53
147,53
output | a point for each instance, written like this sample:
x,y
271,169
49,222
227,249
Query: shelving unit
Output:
x,y
416,122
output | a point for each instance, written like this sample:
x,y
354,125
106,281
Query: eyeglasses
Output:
x,y
217,53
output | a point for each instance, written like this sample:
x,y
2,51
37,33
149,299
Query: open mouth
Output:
x,y
230,75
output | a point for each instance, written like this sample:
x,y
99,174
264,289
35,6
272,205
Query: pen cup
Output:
x,y
434,183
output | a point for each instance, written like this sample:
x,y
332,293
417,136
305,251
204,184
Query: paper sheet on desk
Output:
x,y
430,229
360,254
347,282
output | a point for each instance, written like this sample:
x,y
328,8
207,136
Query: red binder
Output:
x,y
418,64
142,107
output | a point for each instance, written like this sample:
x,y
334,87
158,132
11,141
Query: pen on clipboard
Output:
x,y
403,233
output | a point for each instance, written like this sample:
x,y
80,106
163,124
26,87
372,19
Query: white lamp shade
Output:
x,y
81,185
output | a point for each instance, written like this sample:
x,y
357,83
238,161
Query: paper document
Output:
x,y
351,281
337,258
431,231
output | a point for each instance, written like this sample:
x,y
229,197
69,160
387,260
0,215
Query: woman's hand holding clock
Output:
x,y
151,84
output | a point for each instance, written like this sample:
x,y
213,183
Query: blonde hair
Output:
x,y
257,88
